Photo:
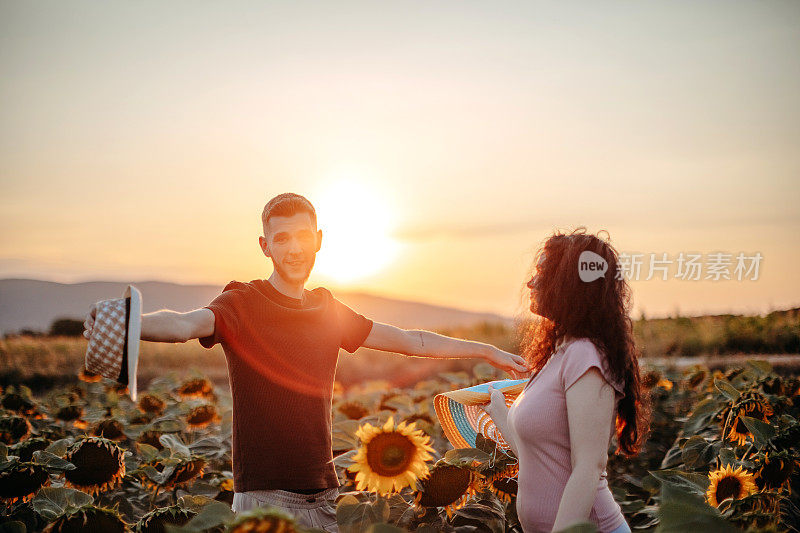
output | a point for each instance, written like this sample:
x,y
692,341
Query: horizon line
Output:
x,y
670,315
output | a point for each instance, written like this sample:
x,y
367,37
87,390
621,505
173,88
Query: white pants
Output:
x,y
316,510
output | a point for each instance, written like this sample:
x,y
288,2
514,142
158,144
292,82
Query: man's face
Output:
x,y
292,243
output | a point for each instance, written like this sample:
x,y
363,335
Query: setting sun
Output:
x,y
356,223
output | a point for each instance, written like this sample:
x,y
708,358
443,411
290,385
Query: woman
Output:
x,y
585,389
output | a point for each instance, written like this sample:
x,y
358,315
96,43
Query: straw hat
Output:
x,y
113,349
462,416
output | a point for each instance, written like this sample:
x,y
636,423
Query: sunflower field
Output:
x,y
723,454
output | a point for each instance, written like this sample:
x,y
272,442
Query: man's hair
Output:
x,y
286,205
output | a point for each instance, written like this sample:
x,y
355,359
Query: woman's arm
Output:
x,y
590,408
498,410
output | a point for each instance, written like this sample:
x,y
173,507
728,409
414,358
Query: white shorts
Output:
x,y
316,510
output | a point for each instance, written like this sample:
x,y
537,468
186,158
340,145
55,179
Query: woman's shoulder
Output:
x,y
581,344
580,355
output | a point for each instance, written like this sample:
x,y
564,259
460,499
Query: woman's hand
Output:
x,y
496,407
498,410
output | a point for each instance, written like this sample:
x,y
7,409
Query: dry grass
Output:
x,y
43,361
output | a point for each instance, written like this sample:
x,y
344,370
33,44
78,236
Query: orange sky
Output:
x,y
141,140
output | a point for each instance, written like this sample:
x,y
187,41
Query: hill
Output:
x,y
34,304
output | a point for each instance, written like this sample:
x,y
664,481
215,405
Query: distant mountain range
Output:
x,y
34,304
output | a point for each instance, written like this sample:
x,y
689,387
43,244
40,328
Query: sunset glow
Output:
x,y
356,222
440,142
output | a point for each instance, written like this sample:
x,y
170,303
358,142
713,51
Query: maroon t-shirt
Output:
x,y
282,354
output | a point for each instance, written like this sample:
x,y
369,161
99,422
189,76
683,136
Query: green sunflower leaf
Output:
x,y
51,461
728,390
52,502
761,431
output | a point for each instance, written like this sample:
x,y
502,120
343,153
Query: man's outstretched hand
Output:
x,y
88,324
508,362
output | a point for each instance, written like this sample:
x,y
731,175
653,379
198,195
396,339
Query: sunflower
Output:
x,y
138,419
353,410
25,449
14,429
419,417
109,428
150,403
99,465
70,413
151,438
755,402
774,472
196,388
727,483
697,378
504,487
773,385
738,432
185,472
20,482
201,416
390,457
225,493
508,471
767,502
156,520
788,437
733,373
89,377
264,520
18,403
73,397
751,403
88,519
650,379
793,387
446,486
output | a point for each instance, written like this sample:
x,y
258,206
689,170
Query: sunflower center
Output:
x,y
389,454
91,520
94,465
776,472
19,482
445,485
728,487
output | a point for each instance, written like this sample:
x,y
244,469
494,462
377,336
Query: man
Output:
x,y
281,343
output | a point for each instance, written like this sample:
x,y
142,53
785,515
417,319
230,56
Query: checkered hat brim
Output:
x,y
115,329
104,352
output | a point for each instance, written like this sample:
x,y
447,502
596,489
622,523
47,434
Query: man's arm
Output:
x,y
166,325
422,343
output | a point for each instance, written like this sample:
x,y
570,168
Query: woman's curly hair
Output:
x,y
597,310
